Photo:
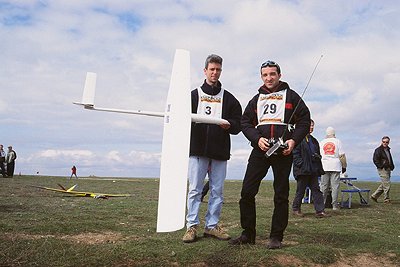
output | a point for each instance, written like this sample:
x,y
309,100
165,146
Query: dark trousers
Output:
x,y
257,168
3,169
10,169
312,182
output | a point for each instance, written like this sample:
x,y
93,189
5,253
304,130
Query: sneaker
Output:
x,y
242,240
298,213
274,244
387,201
322,214
374,199
190,235
216,232
336,207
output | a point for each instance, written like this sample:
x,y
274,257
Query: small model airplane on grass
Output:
x,y
80,193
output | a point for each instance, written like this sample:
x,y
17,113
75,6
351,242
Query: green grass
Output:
x,y
43,228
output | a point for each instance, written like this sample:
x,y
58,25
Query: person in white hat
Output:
x,y
334,162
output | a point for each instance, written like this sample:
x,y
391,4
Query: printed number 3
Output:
x,y
208,110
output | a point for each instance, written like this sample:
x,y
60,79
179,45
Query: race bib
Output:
x,y
271,108
210,105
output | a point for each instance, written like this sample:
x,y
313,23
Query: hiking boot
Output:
x,y
274,244
242,240
190,235
387,201
322,214
374,199
216,232
298,213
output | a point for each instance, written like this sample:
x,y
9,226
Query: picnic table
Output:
x,y
350,190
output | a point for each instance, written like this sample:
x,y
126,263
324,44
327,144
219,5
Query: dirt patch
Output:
x,y
288,260
365,259
94,238
84,238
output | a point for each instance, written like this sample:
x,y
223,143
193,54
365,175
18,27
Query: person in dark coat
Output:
x,y
2,161
10,160
269,118
384,163
210,150
307,167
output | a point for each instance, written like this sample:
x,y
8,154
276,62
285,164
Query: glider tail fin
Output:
x,y
89,91
71,188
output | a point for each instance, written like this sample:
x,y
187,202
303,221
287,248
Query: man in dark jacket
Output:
x,y
210,147
269,118
384,163
2,161
307,167
10,160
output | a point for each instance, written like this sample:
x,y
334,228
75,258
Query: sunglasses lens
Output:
x,y
268,63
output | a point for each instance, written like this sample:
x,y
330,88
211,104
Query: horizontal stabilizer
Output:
x,y
71,188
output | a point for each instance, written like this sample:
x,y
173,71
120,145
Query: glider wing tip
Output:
x,y
85,105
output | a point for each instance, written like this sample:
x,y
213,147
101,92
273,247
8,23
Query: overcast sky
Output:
x,y
47,47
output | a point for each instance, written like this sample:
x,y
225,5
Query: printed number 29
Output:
x,y
270,108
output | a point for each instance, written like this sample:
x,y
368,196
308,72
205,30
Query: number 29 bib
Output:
x,y
271,108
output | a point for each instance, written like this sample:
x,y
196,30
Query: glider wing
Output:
x,y
80,193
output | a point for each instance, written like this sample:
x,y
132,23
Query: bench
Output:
x,y
350,192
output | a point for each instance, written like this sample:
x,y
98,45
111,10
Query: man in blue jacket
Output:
x,y
307,167
210,147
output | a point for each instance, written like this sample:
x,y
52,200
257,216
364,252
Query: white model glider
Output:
x,y
175,143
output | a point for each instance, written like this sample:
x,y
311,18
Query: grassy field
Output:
x,y
43,228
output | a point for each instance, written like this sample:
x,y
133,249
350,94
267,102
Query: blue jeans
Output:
x,y
198,169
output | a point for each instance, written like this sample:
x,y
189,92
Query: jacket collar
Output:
x,y
281,86
211,90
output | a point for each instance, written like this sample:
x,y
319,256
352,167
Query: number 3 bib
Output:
x,y
210,105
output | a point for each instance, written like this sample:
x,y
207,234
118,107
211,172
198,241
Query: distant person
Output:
x,y
210,147
307,167
384,163
10,160
271,114
3,161
73,172
333,162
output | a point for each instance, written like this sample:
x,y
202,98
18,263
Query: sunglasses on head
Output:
x,y
269,63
